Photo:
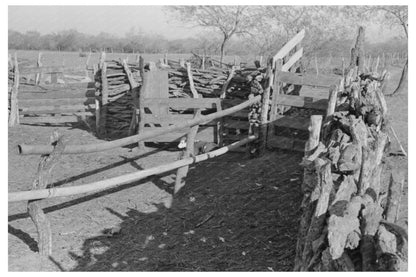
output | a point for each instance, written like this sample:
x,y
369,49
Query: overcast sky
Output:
x,y
116,20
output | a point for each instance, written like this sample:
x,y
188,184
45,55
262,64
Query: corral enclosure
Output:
x,y
173,232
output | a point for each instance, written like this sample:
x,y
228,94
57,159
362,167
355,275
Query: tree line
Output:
x,y
236,30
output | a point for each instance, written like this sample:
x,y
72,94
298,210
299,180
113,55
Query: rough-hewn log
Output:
x,y
45,167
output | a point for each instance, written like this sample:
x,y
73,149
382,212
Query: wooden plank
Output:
x,y
51,69
314,92
55,102
298,123
289,46
68,86
302,102
56,95
56,109
182,103
171,119
307,79
293,59
54,119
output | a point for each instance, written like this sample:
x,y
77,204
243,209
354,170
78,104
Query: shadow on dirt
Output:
x,y
233,215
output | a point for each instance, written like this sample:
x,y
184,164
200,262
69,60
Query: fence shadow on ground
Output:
x,y
233,215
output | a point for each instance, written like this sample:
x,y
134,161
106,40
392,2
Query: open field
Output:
x,y
234,214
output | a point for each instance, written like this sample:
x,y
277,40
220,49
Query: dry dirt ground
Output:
x,y
234,214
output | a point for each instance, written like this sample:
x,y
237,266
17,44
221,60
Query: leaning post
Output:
x,y
34,207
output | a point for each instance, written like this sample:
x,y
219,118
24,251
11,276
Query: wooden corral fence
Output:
x,y
162,126
45,96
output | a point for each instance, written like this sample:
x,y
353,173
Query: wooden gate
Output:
x,y
157,110
291,88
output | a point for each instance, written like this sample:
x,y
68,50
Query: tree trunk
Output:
x,y
223,48
403,80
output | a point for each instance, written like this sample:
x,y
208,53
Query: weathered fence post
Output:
x,y
265,108
14,107
43,177
276,91
134,92
222,96
140,107
86,65
190,139
39,64
104,97
357,52
314,132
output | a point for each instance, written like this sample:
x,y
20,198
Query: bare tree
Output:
x,y
398,15
323,24
228,20
392,16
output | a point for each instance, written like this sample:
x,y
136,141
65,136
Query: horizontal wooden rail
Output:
x,y
51,69
124,179
289,46
182,103
73,117
170,118
307,79
293,59
55,94
55,102
302,102
89,148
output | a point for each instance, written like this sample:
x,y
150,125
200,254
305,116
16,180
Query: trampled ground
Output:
x,y
234,214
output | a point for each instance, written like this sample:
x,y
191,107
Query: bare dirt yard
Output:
x,y
234,214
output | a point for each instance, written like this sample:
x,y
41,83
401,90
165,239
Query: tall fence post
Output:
x,y
276,91
14,107
265,108
134,92
39,64
104,96
182,172
34,208
140,107
86,65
